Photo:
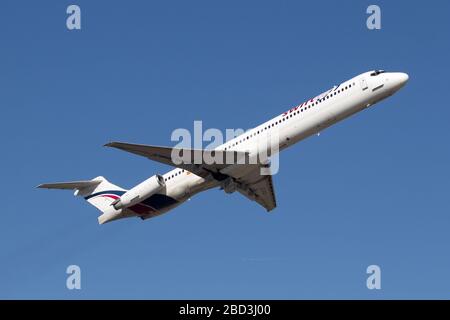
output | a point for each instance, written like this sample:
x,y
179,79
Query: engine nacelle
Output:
x,y
140,192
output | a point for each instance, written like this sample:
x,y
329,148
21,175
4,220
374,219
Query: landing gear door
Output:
x,y
363,84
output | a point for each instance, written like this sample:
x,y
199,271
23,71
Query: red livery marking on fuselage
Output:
x,y
112,196
296,107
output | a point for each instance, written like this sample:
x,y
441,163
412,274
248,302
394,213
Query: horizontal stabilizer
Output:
x,y
70,185
99,192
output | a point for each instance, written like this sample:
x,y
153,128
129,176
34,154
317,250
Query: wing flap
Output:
x,y
261,191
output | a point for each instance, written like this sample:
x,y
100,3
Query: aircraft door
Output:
x,y
363,84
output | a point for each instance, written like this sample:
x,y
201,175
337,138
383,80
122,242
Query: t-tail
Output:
x,y
99,192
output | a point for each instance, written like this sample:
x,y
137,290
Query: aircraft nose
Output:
x,y
403,78
399,79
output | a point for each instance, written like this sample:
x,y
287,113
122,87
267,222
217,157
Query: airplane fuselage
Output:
x,y
292,126
161,193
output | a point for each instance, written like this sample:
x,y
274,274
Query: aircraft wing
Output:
x,y
259,188
246,177
173,157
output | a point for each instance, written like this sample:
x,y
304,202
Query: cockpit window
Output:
x,y
377,72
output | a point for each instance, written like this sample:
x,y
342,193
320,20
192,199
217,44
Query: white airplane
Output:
x,y
161,193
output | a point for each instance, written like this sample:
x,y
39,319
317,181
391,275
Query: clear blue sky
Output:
x,y
371,190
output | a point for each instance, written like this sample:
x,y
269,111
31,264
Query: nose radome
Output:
x,y
398,80
403,77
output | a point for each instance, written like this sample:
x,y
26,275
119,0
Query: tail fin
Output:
x,y
99,192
